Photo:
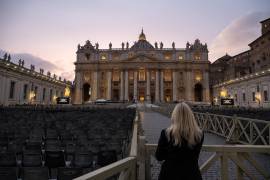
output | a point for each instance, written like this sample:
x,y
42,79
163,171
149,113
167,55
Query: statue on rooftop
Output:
x,y
5,56
156,45
127,45
110,46
161,45
22,63
9,57
173,45
97,45
123,46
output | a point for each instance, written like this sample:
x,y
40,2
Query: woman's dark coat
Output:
x,y
180,162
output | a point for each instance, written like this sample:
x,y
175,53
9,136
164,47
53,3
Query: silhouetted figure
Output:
x,y
179,146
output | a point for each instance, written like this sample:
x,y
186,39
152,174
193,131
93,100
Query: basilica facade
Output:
x,y
142,72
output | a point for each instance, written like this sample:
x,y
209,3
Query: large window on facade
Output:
x,y
168,75
253,96
35,92
153,75
25,89
130,75
265,95
116,75
11,89
51,95
141,75
244,97
44,94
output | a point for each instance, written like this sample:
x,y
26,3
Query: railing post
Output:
x,y
141,158
147,164
239,171
224,166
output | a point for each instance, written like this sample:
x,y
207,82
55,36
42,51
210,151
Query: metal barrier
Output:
x,y
234,129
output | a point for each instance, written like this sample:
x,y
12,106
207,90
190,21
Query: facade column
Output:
x,y
122,86
78,89
148,95
157,95
162,87
94,89
126,85
174,86
188,85
135,84
109,85
206,93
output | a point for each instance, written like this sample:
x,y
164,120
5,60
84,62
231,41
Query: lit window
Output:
x,y
153,75
180,57
131,75
116,75
197,56
103,57
198,75
167,57
141,75
168,75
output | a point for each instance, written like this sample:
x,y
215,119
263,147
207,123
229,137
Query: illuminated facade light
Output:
x,y
67,92
223,93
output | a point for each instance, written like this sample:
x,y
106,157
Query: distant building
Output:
x,y
244,77
142,72
21,85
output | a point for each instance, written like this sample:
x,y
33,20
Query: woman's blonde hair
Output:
x,y
183,126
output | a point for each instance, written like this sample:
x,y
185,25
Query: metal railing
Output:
x,y
233,128
236,129
238,154
125,167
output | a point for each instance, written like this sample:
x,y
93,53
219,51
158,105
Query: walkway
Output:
x,y
153,123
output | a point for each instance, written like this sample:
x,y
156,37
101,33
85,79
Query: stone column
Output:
x,y
157,95
174,86
78,89
206,93
148,95
109,85
162,87
94,89
126,85
135,95
122,86
188,85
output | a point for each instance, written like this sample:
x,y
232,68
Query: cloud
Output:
x,y
237,35
39,63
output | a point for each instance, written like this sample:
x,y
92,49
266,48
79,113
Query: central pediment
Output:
x,y
141,58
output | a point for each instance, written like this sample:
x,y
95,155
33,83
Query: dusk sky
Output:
x,y
47,32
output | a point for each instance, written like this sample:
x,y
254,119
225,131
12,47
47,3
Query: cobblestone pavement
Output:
x,y
153,123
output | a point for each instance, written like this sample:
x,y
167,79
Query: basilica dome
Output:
x,y
142,44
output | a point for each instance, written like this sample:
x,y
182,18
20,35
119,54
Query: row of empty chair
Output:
x,y
59,141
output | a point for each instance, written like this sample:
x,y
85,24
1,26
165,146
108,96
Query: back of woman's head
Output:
x,y
183,126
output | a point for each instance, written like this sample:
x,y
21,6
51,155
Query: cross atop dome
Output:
x,y
142,36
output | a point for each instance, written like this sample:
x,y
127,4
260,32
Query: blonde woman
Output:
x,y
179,146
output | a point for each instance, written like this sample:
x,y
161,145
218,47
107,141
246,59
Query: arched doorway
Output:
x,y
198,92
86,92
